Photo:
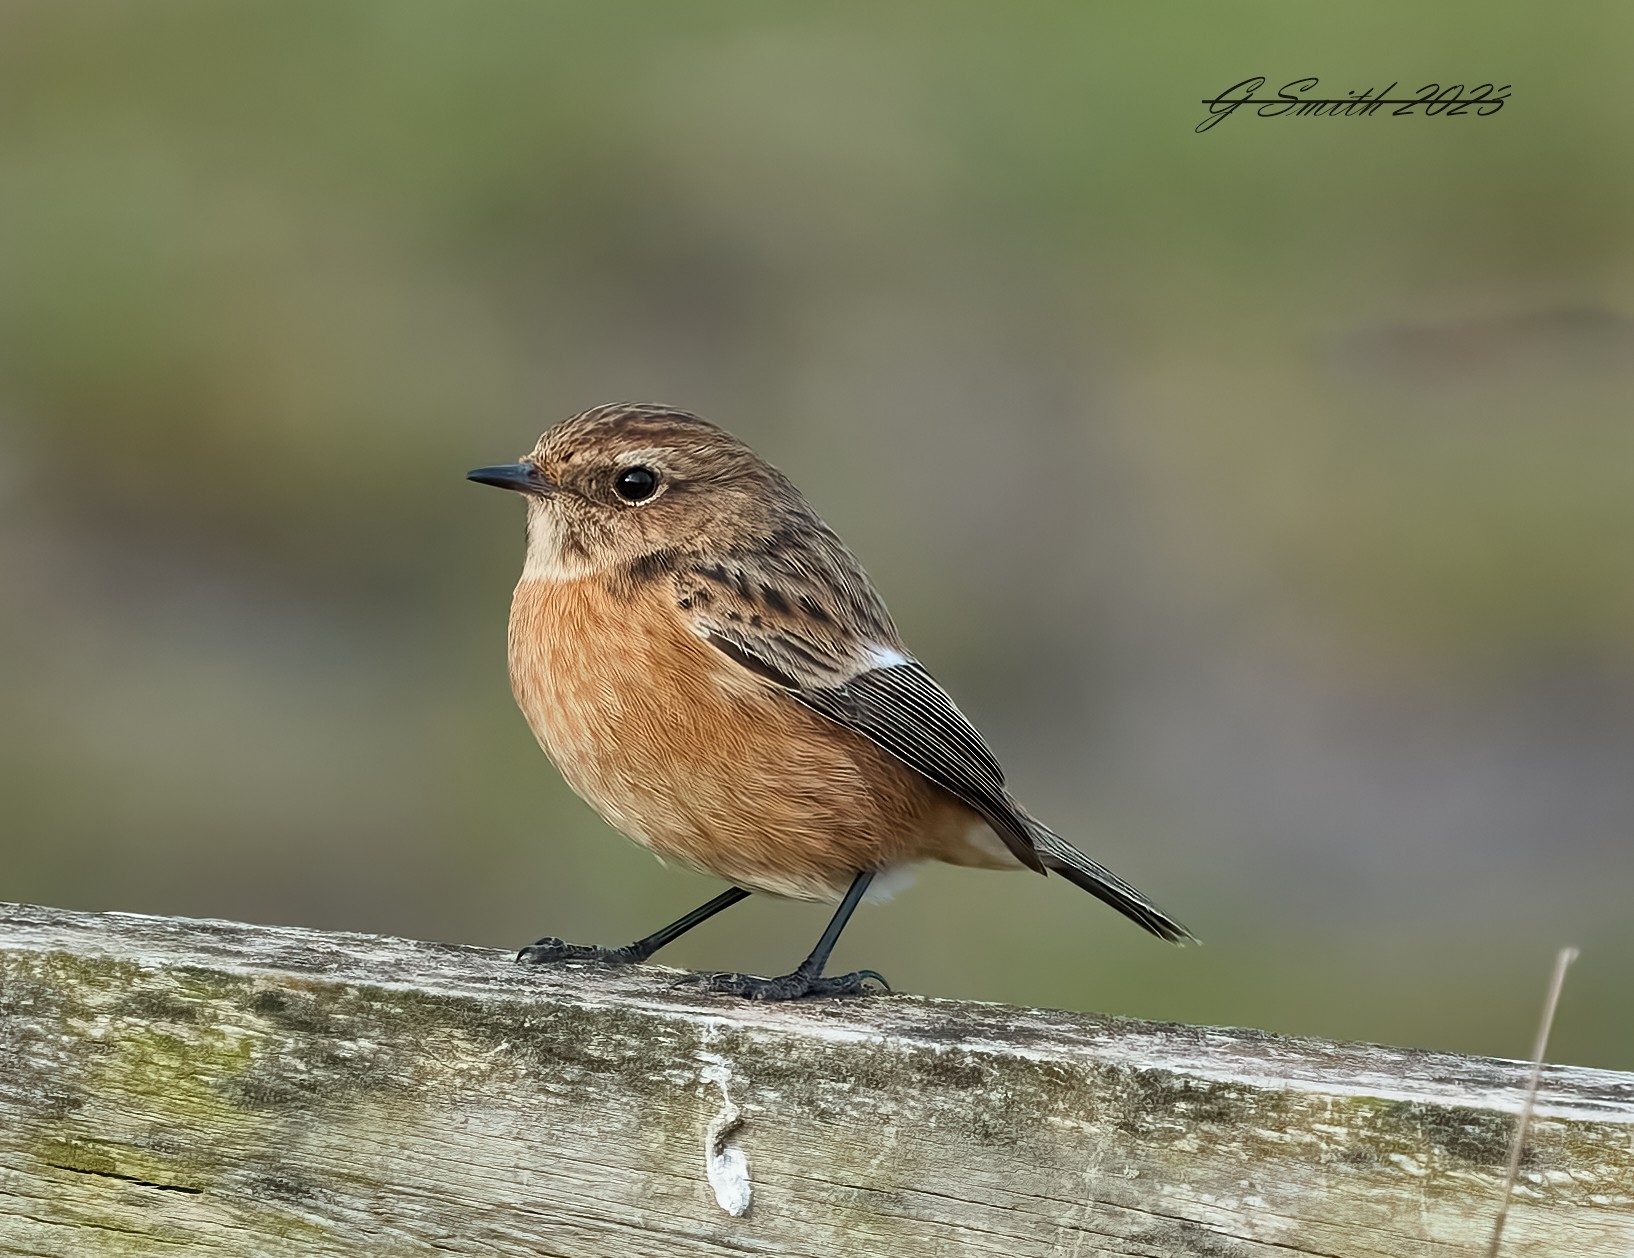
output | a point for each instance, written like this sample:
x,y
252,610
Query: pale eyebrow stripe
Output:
x,y
651,454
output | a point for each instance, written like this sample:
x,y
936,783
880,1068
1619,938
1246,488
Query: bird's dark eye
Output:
x,y
635,484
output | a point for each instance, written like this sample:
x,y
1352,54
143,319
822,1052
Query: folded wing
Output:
x,y
822,635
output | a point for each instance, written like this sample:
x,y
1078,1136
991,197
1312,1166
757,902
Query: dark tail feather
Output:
x,y
1060,857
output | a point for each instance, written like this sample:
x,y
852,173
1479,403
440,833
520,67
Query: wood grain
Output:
x,y
185,1087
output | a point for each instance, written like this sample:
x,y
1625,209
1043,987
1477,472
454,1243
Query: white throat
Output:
x,y
546,559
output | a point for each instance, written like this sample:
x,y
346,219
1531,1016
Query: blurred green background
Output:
x,y
1265,495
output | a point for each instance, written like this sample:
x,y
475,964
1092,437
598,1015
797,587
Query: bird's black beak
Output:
x,y
523,477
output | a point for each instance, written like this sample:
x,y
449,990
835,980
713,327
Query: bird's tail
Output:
x,y
1060,857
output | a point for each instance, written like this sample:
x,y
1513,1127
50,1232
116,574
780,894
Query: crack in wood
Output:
x,y
128,1179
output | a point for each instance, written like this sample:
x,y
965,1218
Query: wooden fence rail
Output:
x,y
186,1087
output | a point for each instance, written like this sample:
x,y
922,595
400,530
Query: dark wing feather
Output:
x,y
899,708
902,709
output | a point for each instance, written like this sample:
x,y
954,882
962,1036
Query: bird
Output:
x,y
710,668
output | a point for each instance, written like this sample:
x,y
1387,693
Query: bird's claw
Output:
x,y
550,949
794,986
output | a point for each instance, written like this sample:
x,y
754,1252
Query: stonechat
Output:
x,y
710,668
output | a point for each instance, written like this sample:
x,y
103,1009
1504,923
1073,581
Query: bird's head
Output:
x,y
624,483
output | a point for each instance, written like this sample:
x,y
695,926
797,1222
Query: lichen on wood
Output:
x,y
185,1087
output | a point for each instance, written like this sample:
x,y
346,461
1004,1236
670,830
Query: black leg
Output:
x,y
553,949
808,979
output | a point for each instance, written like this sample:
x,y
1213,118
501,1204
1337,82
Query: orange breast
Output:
x,y
692,756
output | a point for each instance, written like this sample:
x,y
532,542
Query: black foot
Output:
x,y
787,987
550,949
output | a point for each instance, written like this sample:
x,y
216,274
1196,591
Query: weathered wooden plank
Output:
x,y
185,1087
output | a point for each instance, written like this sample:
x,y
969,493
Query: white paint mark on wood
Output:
x,y
725,1162
726,1165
